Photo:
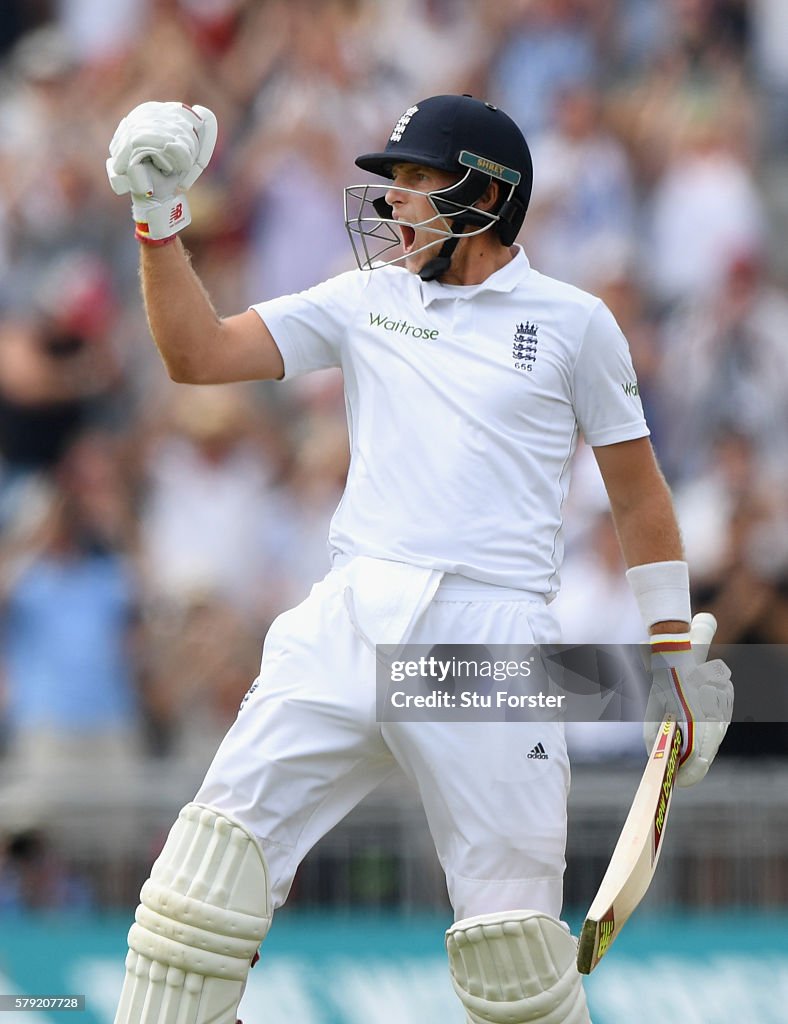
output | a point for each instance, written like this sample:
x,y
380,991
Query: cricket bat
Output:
x,y
635,857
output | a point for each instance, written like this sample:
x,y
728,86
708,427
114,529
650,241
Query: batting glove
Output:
x,y
158,151
695,693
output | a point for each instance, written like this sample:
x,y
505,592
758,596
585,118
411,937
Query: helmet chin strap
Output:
x,y
474,188
438,265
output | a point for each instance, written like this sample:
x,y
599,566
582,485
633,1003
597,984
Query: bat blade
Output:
x,y
635,856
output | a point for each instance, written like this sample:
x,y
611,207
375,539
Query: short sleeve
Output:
x,y
606,394
309,327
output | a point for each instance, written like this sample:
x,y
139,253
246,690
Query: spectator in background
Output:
x,y
313,491
98,31
729,351
49,177
19,18
711,33
771,67
311,117
70,599
34,876
210,507
734,519
705,211
199,657
38,81
637,31
542,49
438,30
582,211
59,372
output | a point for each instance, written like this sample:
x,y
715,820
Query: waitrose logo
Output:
x,y
400,326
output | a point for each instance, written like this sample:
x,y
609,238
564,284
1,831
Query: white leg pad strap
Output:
x,y
516,967
203,913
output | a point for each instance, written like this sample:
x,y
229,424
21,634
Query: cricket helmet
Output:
x,y
462,135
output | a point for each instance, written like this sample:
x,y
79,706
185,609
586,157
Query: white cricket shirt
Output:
x,y
464,405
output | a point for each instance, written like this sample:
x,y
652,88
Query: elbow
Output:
x,y
180,373
187,362
185,374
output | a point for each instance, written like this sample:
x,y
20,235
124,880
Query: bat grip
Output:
x,y
702,630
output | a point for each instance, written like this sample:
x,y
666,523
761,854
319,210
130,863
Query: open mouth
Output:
x,y
408,236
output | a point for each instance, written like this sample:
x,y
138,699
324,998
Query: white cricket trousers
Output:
x,y
306,748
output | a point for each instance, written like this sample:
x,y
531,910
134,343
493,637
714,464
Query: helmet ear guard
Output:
x,y
457,199
510,219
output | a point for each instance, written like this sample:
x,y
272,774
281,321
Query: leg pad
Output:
x,y
203,914
516,967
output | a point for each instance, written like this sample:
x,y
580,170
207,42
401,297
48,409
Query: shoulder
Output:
x,y
565,311
379,280
566,296
387,278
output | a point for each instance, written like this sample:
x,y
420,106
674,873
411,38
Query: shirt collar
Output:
x,y
504,280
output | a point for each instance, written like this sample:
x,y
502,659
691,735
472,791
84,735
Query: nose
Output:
x,y
393,195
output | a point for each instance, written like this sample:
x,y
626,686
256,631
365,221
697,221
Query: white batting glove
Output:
x,y
696,693
158,151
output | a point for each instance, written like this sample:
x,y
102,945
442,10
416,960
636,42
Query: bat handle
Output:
x,y
702,630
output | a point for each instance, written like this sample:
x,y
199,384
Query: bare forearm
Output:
x,y
198,346
648,532
182,319
642,508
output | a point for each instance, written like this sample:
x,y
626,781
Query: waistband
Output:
x,y
454,587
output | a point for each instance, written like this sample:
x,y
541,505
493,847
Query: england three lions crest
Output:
x,y
525,345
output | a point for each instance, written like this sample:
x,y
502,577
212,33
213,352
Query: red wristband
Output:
x,y
141,233
662,644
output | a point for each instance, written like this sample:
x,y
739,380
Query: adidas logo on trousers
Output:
x,y
538,752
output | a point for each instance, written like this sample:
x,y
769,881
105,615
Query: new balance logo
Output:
x,y
176,214
538,753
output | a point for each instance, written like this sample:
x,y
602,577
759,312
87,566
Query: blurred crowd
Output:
x,y
149,532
